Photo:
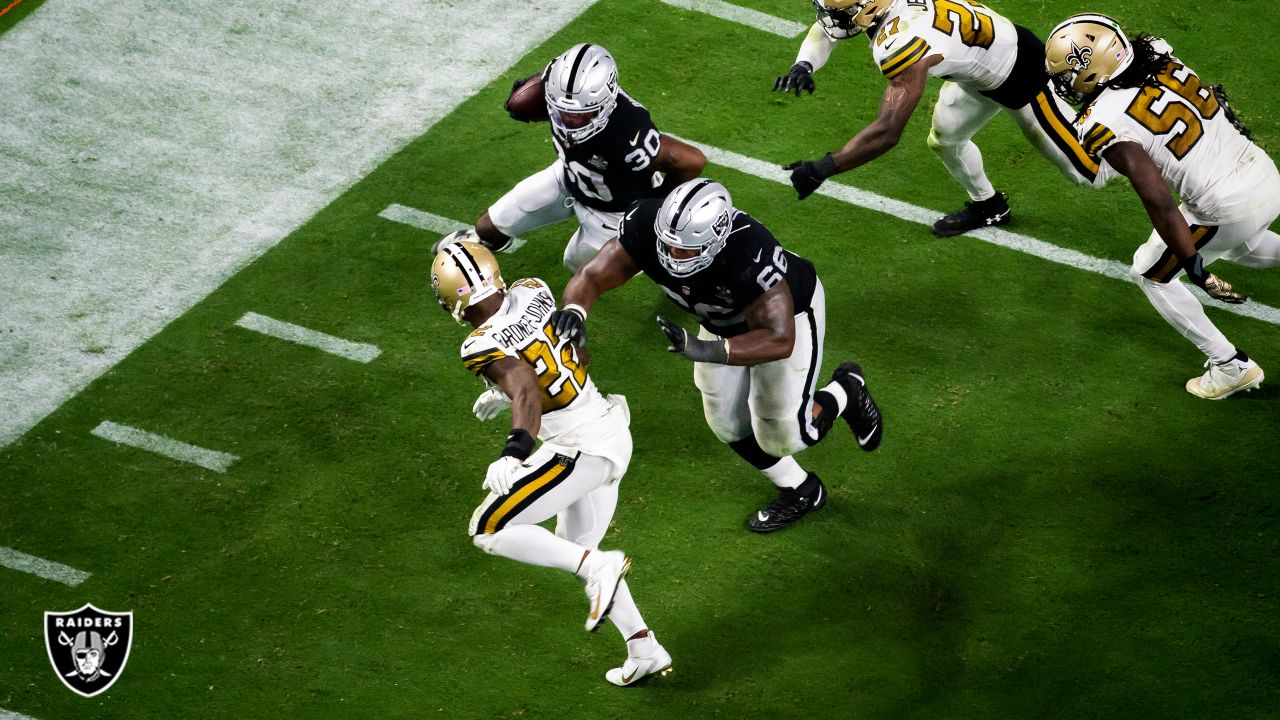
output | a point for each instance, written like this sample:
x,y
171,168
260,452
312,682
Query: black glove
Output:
x,y
707,351
807,175
570,324
1215,287
799,77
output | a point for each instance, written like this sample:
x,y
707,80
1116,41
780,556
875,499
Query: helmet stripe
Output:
x,y
472,273
684,203
573,73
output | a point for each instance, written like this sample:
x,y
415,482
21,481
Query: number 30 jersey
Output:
x,y
750,264
614,167
522,329
1182,126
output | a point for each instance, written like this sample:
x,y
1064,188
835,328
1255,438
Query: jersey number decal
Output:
x,y
771,275
976,27
1200,105
560,375
590,182
642,156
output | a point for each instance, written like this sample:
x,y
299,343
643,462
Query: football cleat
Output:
x,y
607,568
790,505
645,657
861,413
984,213
1225,380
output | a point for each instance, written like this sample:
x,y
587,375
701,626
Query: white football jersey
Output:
x,y
1182,126
574,414
978,46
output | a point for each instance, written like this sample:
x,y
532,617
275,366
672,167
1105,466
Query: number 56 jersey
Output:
x,y
1180,123
575,416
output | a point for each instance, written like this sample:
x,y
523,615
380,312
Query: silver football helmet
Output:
x,y
581,87
695,218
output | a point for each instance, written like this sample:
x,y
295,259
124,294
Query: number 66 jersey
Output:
x,y
750,264
575,416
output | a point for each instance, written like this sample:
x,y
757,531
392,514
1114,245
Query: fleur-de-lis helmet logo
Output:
x,y
1078,58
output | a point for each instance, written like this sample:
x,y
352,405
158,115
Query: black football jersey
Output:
x,y
751,263
614,167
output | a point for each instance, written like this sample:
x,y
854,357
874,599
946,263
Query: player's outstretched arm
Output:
x,y
899,102
814,51
1131,160
679,162
610,268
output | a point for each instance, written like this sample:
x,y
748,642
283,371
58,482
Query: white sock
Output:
x,y
964,162
533,545
1175,303
787,473
625,615
836,390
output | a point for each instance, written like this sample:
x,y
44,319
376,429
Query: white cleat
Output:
x,y
606,570
1225,380
645,657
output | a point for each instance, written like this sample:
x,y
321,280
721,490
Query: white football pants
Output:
x,y
542,199
1045,121
581,493
772,401
1248,242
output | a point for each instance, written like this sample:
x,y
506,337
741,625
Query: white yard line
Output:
x,y
995,236
742,16
281,330
149,152
424,220
161,445
11,715
421,219
47,569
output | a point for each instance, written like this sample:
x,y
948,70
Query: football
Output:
x,y
526,102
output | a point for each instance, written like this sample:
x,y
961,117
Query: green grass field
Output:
x,y
1053,527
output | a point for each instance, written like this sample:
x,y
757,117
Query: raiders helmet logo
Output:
x,y
1078,58
88,647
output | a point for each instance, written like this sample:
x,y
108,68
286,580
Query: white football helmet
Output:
x,y
842,19
696,216
1084,53
581,87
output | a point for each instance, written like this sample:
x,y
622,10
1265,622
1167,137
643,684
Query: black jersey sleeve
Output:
x,y
636,235
759,263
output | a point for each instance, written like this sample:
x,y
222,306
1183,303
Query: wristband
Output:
x,y
519,444
826,167
576,308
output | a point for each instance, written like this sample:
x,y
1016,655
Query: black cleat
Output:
x,y
790,506
984,213
861,413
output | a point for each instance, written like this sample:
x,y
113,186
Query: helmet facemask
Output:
x,y
581,88
842,19
1084,53
696,217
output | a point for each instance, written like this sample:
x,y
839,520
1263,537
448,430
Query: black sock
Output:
x,y
748,449
1240,356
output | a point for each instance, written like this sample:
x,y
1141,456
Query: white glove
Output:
x,y
469,235
502,475
490,404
